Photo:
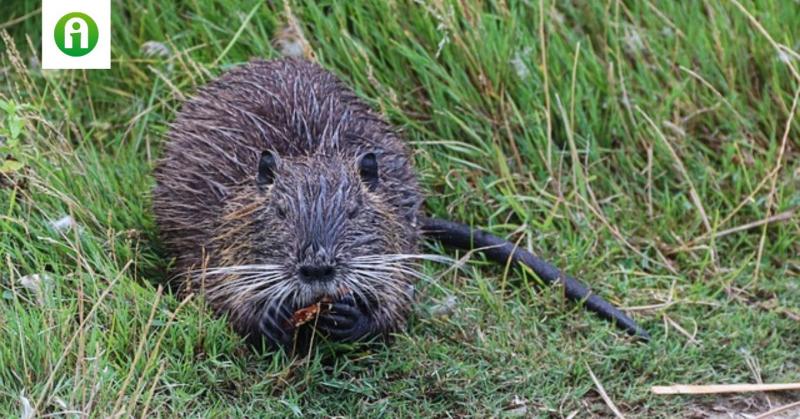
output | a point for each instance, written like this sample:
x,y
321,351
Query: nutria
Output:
x,y
279,188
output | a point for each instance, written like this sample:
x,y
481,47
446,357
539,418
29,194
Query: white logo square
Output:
x,y
76,34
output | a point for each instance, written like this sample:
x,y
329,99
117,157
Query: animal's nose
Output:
x,y
317,273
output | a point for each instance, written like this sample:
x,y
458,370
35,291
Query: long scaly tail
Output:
x,y
461,236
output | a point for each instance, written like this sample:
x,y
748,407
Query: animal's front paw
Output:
x,y
275,327
345,321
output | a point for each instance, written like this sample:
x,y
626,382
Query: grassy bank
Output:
x,y
649,148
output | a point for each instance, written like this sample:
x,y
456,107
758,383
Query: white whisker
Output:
x,y
387,284
393,257
256,268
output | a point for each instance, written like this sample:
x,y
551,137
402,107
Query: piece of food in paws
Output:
x,y
306,314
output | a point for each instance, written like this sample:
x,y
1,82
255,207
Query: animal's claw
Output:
x,y
275,326
345,321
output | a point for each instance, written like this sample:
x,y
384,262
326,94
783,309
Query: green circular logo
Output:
x,y
76,34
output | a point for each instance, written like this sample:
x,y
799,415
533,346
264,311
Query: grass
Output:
x,y
620,140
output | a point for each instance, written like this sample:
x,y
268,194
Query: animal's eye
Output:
x,y
266,169
352,212
368,169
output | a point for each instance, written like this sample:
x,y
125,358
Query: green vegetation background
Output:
x,y
648,147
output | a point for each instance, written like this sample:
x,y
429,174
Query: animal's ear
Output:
x,y
266,169
368,169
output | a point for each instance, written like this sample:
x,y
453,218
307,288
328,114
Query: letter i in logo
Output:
x,y
76,34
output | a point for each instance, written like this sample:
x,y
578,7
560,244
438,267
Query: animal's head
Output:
x,y
317,227
325,222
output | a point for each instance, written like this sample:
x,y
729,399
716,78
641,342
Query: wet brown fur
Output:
x,y
212,214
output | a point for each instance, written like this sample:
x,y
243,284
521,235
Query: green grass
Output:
x,y
617,146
